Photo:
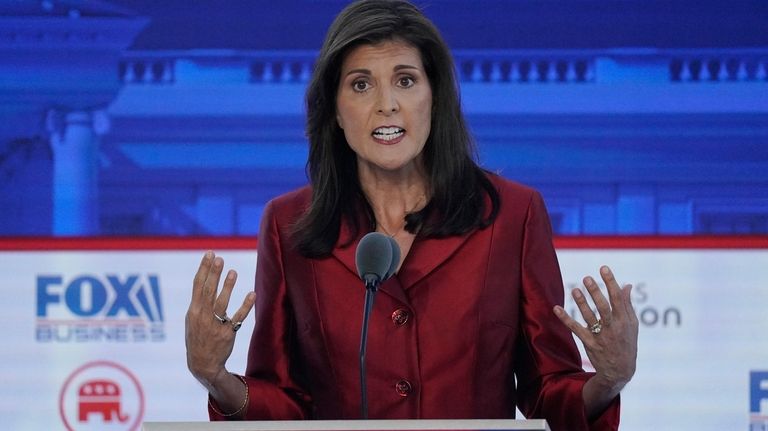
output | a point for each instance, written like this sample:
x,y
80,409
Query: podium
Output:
x,y
355,425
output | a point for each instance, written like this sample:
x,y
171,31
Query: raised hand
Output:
x,y
209,331
610,337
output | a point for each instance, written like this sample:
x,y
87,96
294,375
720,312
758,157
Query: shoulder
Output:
x,y
295,198
519,204
512,191
285,209
521,211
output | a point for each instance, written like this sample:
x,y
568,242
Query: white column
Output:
x,y
75,173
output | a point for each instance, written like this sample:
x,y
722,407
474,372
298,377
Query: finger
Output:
x,y
245,308
614,290
627,299
222,302
598,299
575,327
212,281
586,311
198,283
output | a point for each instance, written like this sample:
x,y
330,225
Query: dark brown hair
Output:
x,y
457,185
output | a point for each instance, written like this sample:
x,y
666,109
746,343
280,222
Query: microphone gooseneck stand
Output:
x,y
371,286
376,258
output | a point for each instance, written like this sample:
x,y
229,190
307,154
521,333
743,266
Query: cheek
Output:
x,y
348,115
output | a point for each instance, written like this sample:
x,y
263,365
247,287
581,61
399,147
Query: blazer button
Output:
x,y
400,316
403,388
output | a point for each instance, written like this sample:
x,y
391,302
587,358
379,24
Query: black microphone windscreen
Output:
x,y
395,257
373,256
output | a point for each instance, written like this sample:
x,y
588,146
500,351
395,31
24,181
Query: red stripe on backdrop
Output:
x,y
128,243
662,242
249,243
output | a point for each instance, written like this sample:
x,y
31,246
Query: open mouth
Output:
x,y
388,133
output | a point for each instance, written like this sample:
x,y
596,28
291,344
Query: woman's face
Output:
x,y
384,105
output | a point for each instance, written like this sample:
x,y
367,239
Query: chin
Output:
x,y
391,167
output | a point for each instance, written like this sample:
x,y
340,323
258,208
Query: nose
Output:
x,y
387,101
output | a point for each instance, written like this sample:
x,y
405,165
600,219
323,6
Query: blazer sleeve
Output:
x,y
549,373
273,391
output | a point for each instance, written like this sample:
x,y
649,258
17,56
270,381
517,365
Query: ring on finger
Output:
x,y
221,319
596,327
236,326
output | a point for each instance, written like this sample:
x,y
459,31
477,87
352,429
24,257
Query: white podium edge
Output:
x,y
343,425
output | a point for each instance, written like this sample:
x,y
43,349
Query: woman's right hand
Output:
x,y
209,333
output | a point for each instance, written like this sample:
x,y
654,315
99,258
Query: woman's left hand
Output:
x,y
610,339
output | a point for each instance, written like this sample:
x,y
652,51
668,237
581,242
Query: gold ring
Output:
x,y
596,327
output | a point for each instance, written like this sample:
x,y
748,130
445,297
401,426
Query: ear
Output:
x,y
339,122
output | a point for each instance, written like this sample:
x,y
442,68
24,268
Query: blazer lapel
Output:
x,y
426,255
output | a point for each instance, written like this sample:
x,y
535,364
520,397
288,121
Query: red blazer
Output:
x,y
465,329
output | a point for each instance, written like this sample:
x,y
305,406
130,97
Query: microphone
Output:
x,y
373,259
395,257
377,257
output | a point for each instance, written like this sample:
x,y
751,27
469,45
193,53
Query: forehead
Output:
x,y
383,54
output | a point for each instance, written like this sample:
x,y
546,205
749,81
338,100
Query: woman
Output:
x,y
472,323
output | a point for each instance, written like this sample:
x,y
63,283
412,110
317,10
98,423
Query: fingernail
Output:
x,y
209,254
605,270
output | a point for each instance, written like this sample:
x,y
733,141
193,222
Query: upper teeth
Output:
x,y
388,133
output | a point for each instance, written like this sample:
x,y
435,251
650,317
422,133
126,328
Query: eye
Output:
x,y
406,82
360,86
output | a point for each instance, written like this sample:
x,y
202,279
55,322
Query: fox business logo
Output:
x,y
90,308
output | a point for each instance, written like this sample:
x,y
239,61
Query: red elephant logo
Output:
x,y
100,397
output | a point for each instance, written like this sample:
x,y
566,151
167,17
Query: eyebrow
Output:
x,y
397,68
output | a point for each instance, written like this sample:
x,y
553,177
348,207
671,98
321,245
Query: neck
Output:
x,y
392,197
